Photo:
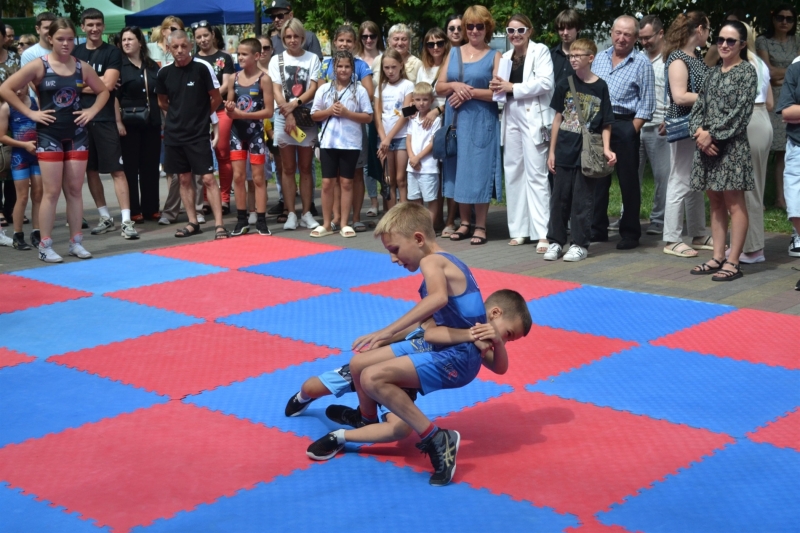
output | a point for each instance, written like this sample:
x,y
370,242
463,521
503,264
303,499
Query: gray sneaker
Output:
x,y
128,231
105,225
614,226
655,229
77,249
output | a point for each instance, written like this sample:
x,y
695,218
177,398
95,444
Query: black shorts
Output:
x,y
105,151
61,142
195,157
338,163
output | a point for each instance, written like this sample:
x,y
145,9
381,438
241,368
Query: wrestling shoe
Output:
x,y
345,416
442,448
294,407
242,227
47,254
106,224
262,228
19,242
36,238
324,448
77,249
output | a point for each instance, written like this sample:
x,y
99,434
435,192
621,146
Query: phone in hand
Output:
x,y
409,111
298,134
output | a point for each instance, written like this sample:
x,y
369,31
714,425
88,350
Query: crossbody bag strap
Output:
x,y
146,93
286,94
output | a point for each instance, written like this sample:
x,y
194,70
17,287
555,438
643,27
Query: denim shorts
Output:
x,y
397,144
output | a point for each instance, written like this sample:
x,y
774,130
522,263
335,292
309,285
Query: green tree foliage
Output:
x,y
66,8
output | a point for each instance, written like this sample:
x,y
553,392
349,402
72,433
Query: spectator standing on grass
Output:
x,y
788,107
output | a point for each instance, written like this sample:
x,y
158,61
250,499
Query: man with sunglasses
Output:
x,y
281,12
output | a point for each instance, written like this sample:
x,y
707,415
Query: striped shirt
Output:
x,y
631,83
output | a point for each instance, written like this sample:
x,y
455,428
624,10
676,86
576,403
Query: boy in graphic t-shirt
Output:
x,y
572,191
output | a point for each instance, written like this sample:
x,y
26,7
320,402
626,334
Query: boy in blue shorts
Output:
x,y
383,374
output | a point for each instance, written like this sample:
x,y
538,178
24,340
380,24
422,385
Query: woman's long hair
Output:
x,y
680,31
438,33
144,53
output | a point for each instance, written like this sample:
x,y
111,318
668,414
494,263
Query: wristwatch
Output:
x,y
299,102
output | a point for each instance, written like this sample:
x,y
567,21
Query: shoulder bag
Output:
x,y
137,116
301,114
677,127
593,161
445,144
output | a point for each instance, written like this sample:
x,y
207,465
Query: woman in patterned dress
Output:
x,y
723,166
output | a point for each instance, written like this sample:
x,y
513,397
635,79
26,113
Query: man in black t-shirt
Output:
x,y
187,94
105,152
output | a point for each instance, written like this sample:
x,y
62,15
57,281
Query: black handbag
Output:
x,y
445,143
302,115
137,116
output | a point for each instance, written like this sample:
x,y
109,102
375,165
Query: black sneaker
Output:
x,y
276,209
294,407
84,224
36,238
797,287
346,416
19,242
262,228
324,448
241,228
442,448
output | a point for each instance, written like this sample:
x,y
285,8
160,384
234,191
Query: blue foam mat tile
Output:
x,y
342,269
715,393
262,399
84,323
20,513
746,487
118,272
41,398
334,320
376,496
621,314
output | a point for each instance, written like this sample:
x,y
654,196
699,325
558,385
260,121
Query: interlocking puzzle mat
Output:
x,y
145,392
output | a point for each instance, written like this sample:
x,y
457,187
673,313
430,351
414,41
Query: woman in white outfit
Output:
x,y
527,118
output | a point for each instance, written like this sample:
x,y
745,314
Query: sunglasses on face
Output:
x,y
280,16
434,44
201,24
454,29
782,18
368,37
479,26
174,28
512,31
729,41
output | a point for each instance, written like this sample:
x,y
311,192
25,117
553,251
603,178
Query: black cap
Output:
x,y
279,4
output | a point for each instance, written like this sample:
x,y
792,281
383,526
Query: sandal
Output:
x,y
372,212
447,231
283,217
680,249
360,227
517,241
460,235
224,234
542,247
320,231
705,268
477,241
705,243
728,275
347,232
192,228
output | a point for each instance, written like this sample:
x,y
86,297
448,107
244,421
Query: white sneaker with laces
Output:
x,y
106,224
77,249
201,219
553,252
48,255
252,218
308,221
291,221
794,246
576,253
5,240
128,231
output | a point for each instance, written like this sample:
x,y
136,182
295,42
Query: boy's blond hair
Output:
x,y
406,219
584,45
423,88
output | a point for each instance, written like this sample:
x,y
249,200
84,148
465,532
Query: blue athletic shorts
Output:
x,y
450,367
338,381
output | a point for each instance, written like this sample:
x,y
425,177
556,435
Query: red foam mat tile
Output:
x,y
192,359
221,294
745,334
22,293
784,432
547,352
489,281
591,525
13,357
244,251
574,457
130,470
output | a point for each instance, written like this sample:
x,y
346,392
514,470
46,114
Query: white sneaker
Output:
x,y
48,255
576,253
128,231
794,246
106,224
164,221
252,218
308,221
553,252
4,240
77,249
291,221
201,219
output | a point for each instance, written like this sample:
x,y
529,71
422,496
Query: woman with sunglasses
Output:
x,y
25,42
778,48
159,50
222,64
526,122
455,33
369,47
722,165
476,175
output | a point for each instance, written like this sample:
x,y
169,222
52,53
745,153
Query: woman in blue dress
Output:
x,y
473,176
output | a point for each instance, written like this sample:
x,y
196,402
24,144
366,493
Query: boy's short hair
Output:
x,y
423,88
45,15
513,305
406,219
92,14
585,45
253,43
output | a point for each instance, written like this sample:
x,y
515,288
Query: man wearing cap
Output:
x,y
281,11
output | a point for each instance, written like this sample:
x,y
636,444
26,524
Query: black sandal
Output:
x,y
192,228
728,275
283,217
461,236
704,269
481,240
224,234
